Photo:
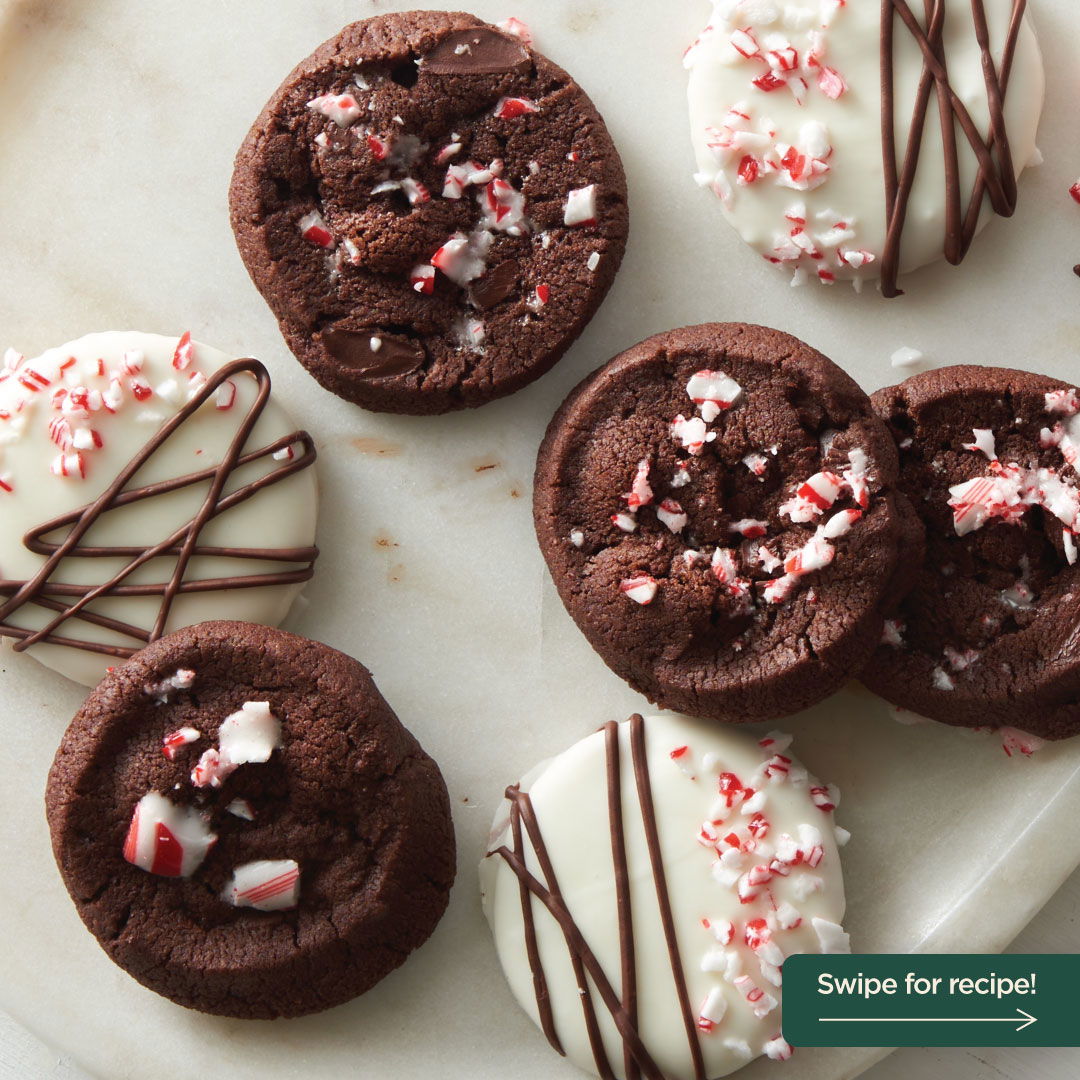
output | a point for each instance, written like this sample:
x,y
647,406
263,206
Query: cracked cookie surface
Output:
x,y
313,862
717,509
432,210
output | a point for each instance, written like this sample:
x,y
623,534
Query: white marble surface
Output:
x,y
122,119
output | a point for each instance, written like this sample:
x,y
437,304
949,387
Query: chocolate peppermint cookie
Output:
x,y
246,827
432,210
987,637
717,508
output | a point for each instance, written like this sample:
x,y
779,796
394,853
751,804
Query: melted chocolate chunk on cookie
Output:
x,y
717,507
245,826
987,637
428,179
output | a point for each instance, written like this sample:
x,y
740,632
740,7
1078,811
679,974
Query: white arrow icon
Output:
x,y
1027,1021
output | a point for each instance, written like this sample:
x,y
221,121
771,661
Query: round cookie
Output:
x,y
834,148
717,509
432,210
307,845
987,637
645,887
146,483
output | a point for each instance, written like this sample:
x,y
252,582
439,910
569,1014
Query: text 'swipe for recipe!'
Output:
x,y
936,1000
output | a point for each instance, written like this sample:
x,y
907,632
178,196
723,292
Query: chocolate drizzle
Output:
x,y
995,174
622,1008
72,602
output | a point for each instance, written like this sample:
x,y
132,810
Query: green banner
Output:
x,y
939,1000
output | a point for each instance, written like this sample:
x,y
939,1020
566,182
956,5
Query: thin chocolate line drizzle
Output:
x,y
652,839
621,1008
624,911
995,177
182,545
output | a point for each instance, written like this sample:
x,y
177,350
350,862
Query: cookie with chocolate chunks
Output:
x,y
246,827
717,507
433,211
987,637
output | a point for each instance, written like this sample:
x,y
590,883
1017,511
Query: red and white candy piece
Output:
x,y
518,28
672,515
641,493
314,230
580,208
778,1048
266,885
983,443
641,589
343,109
510,108
692,434
1013,740
712,1010
812,497
761,1003
713,392
503,207
167,839
463,258
422,279
176,739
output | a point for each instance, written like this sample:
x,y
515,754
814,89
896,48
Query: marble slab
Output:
x,y
121,120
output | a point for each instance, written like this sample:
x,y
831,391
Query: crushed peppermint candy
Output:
x,y
174,740
314,230
641,589
713,392
266,885
167,839
510,108
1020,742
518,28
181,679
343,109
251,734
580,208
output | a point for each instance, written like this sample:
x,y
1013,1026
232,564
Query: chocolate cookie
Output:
x,y
717,508
432,210
246,827
988,635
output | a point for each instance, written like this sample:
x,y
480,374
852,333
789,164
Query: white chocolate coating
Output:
x,y
279,516
570,797
851,190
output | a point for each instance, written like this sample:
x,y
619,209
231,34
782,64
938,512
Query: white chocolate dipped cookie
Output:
x,y
645,886
146,483
792,128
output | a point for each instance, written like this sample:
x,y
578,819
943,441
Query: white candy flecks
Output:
x,y
251,734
